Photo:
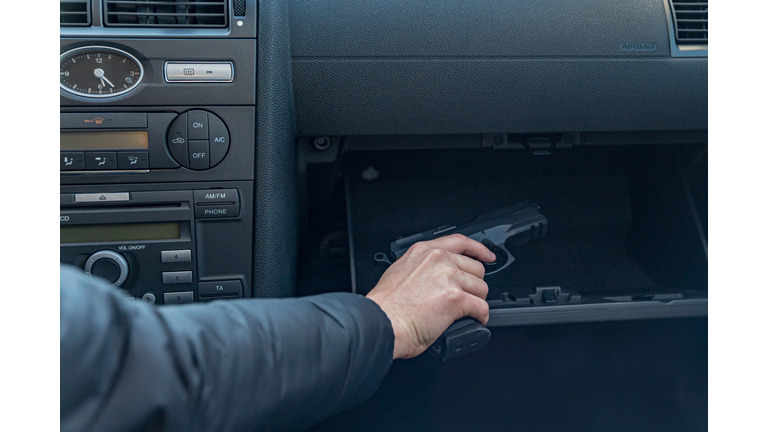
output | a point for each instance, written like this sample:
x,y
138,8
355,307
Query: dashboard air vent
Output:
x,y
690,17
74,13
166,13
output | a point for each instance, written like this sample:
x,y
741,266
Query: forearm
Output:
x,y
239,365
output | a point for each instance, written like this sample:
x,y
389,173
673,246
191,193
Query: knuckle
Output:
x,y
452,295
447,274
418,247
436,254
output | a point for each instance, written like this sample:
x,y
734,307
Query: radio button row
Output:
x,y
217,211
216,196
198,155
176,256
100,161
72,161
179,277
179,297
102,197
197,125
132,160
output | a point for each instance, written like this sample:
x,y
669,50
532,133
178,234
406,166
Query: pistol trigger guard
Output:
x,y
510,260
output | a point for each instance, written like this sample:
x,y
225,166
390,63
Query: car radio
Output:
x,y
162,243
136,142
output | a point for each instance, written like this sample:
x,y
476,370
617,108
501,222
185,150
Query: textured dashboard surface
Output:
x,y
458,28
390,67
371,97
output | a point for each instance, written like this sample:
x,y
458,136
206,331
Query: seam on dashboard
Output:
x,y
432,58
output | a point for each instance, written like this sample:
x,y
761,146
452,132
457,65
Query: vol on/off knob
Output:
x,y
108,265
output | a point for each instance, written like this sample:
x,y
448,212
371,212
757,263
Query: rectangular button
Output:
x,y
179,297
197,125
102,197
132,160
199,72
220,288
216,196
217,211
179,277
176,256
198,155
102,120
72,161
100,160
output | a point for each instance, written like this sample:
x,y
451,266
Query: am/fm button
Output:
x,y
216,196
217,211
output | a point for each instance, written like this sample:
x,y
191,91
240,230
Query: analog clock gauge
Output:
x,y
99,72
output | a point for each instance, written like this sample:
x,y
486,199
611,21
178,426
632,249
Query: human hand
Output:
x,y
431,286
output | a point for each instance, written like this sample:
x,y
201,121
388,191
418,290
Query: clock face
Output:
x,y
99,72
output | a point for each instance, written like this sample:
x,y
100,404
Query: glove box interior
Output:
x,y
627,224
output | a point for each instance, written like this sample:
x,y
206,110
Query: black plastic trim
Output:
x,y
275,246
598,312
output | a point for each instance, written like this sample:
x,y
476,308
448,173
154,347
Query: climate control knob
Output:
x,y
108,265
198,140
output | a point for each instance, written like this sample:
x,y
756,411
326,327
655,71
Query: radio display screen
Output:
x,y
120,232
103,140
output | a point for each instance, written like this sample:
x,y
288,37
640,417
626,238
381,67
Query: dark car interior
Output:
x,y
223,149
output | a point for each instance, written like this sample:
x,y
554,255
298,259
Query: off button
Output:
x,y
198,155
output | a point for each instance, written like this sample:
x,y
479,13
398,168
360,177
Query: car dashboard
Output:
x,y
234,114
233,149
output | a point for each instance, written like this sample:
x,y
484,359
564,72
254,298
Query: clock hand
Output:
x,y
105,79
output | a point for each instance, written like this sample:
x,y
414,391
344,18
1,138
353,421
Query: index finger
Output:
x,y
463,245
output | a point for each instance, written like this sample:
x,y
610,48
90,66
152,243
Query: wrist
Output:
x,y
400,349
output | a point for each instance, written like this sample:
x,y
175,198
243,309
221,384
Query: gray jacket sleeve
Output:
x,y
241,365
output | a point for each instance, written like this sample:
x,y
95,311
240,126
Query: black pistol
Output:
x,y
499,230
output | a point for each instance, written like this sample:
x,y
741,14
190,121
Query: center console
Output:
x,y
158,199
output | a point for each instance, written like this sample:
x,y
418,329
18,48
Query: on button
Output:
x,y
197,125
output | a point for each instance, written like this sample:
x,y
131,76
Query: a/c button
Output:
x,y
217,211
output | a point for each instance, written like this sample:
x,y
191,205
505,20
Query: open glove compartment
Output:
x,y
626,236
